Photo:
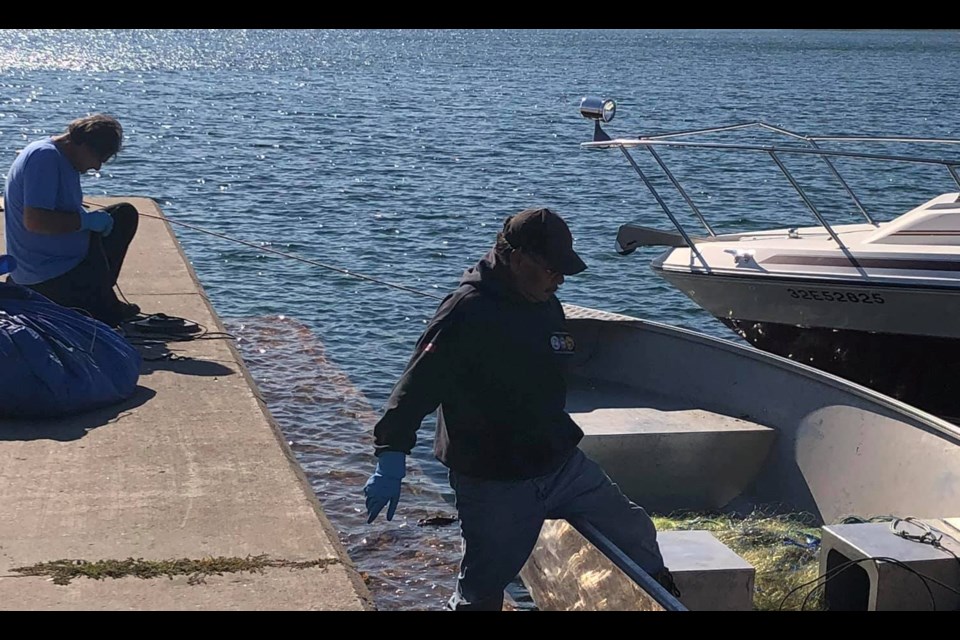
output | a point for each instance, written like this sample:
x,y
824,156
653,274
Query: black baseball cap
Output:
x,y
543,232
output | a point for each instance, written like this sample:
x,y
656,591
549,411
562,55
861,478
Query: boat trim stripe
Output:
x,y
867,263
834,282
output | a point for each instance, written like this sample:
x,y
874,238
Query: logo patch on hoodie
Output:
x,y
562,342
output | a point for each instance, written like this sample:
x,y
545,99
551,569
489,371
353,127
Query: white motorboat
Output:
x,y
873,302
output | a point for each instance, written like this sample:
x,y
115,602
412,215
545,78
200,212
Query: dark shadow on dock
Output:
x,y
158,346
160,357
64,429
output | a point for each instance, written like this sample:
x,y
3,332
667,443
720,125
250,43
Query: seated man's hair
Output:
x,y
100,132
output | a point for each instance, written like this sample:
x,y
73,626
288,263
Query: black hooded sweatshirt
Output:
x,y
493,362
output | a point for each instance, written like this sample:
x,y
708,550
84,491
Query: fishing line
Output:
x,y
291,256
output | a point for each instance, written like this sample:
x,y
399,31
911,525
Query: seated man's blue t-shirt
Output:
x,y
42,177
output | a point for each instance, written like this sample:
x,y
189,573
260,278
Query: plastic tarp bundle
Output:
x,y
55,361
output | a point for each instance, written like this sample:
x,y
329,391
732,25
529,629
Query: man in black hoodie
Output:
x,y
492,360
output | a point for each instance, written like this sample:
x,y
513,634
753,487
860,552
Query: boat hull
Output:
x,y
838,448
901,341
917,370
657,402
914,310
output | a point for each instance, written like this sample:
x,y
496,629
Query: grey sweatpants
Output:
x,y
500,522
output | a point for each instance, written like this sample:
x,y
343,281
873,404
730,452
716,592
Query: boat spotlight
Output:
x,y
594,108
598,110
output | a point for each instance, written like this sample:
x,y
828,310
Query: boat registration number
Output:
x,y
836,296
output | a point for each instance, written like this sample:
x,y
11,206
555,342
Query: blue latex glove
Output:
x,y
99,221
384,485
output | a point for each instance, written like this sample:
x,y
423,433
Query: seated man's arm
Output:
x,y
41,183
50,221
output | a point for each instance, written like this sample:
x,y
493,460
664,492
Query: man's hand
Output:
x,y
99,221
384,485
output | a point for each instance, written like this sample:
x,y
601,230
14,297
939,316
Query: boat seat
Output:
x,y
710,575
665,456
877,585
566,572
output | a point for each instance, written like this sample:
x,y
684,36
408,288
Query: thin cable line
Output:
x,y
315,263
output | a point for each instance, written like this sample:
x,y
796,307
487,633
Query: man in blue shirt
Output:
x,y
70,255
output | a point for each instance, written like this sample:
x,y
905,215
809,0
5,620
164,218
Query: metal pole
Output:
x,y
666,209
812,208
682,191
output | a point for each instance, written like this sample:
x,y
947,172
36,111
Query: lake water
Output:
x,y
397,154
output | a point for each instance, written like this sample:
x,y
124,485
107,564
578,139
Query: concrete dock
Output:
x,y
192,467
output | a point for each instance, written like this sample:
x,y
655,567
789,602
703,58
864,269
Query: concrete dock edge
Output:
x,y
190,469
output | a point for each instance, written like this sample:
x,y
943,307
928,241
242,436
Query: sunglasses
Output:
x,y
540,262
